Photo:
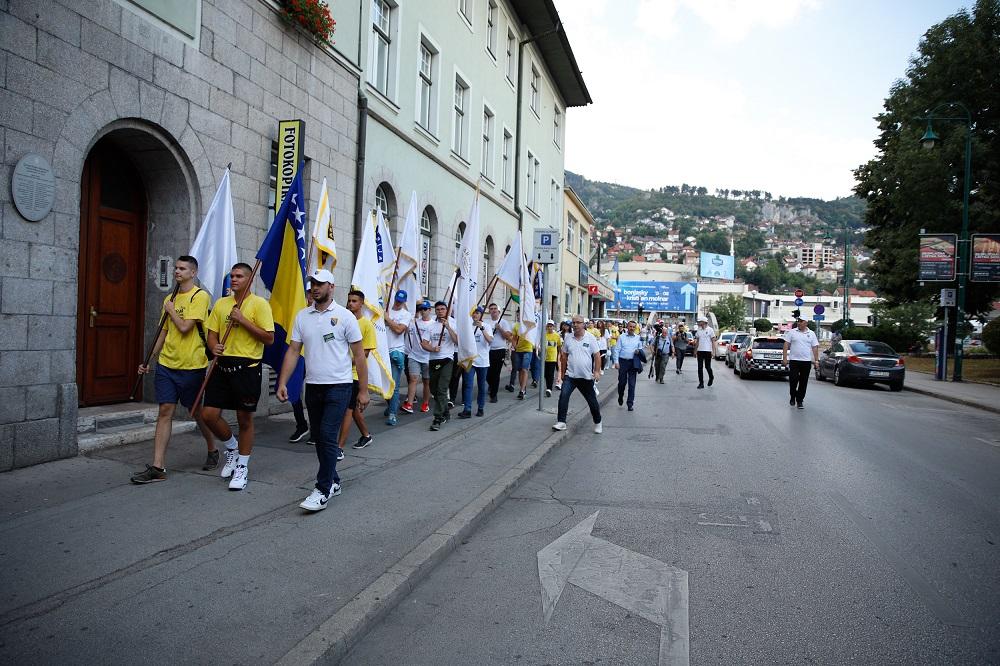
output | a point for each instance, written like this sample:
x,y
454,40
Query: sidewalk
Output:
x,y
971,394
98,570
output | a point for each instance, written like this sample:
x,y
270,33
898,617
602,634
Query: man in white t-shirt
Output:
x,y
580,362
501,331
329,334
417,368
441,347
397,321
704,340
801,354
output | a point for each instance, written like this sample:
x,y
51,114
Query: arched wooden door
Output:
x,y
112,280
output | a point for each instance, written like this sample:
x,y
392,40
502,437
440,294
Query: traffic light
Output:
x,y
796,313
640,312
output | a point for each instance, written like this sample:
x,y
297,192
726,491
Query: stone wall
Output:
x,y
73,71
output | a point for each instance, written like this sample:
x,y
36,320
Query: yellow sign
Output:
x,y
291,134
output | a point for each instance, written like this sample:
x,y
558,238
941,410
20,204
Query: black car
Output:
x,y
862,361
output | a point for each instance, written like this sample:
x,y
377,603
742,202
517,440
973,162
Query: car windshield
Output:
x,y
740,339
872,347
725,337
769,343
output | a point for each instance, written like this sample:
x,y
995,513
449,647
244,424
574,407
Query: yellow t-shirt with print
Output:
x,y
523,343
614,336
186,351
553,341
240,342
368,340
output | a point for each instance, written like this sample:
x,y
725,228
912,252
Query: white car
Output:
x,y
722,344
734,348
762,356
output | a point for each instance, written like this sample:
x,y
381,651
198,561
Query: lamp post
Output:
x,y
753,306
847,276
928,140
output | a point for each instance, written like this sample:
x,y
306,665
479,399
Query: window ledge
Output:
x,y
488,180
379,95
425,133
534,112
507,194
461,159
466,20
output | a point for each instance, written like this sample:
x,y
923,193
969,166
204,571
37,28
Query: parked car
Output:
x,y
734,345
762,356
722,344
862,361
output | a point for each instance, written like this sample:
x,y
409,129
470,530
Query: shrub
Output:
x,y
762,325
991,336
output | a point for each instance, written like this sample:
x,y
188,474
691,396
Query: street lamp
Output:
x,y
753,306
928,140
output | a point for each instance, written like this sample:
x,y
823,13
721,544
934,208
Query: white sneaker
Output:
x,y
230,466
559,425
334,490
239,480
315,502
598,428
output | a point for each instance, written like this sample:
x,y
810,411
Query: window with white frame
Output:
x,y
536,84
570,231
491,28
487,165
380,70
465,9
555,203
428,99
460,142
532,188
583,244
511,45
508,160
557,128
381,201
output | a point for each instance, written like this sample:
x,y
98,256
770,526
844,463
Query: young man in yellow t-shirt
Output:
x,y
553,341
235,384
356,304
523,351
181,362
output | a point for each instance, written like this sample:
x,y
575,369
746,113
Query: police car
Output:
x,y
762,356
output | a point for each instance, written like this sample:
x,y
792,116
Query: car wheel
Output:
x,y
839,379
896,386
744,373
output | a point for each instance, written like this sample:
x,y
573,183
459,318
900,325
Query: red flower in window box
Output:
x,y
313,15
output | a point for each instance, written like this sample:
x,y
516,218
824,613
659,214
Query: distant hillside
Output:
x,y
617,204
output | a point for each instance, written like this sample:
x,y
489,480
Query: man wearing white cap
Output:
x,y
397,320
330,335
800,354
704,337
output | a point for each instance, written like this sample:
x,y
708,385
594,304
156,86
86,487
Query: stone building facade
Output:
x,y
139,106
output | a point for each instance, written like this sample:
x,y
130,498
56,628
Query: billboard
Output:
x,y
719,266
937,257
658,296
985,258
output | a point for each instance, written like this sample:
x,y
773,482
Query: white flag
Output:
x,y
409,277
215,245
526,296
368,279
324,247
510,270
466,286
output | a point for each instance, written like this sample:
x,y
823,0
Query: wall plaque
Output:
x,y
33,186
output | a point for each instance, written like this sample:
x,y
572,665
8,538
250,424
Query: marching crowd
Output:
x,y
209,359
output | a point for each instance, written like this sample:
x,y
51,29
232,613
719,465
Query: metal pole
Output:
x,y
964,256
847,276
540,348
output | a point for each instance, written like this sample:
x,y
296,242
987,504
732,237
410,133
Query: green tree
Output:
x,y
730,312
749,244
991,336
762,325
908,188
714,241
913,321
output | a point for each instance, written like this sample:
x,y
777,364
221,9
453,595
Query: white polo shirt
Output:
x,y
580,356
326,337
800,345
414,334
397,341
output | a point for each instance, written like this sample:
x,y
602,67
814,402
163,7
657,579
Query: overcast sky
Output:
x,y
776,95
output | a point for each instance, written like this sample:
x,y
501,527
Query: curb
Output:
x,y
334,638
957,401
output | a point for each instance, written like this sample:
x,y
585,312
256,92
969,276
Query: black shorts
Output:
x,y
235,384
355,387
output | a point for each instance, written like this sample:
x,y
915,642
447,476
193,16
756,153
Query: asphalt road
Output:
x,y
863,529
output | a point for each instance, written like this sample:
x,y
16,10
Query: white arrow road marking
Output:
x,y
647,587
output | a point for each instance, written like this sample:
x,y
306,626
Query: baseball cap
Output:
x,y
550,323
703,319
321,275
424,305
401,296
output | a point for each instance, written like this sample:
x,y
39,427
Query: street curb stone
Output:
x,y
957,401
333,639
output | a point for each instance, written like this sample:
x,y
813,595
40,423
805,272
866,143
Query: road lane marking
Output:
x,y
647,587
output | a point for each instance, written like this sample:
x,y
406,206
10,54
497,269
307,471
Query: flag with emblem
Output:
x,y
282,258
466,286
409,275
324,247
374,256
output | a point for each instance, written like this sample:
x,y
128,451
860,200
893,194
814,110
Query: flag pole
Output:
x,y
152,345
488,292
448,312
392,282
225,336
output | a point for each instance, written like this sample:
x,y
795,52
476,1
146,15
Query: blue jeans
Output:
x,y
536,367
327,404
480,375
396,363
